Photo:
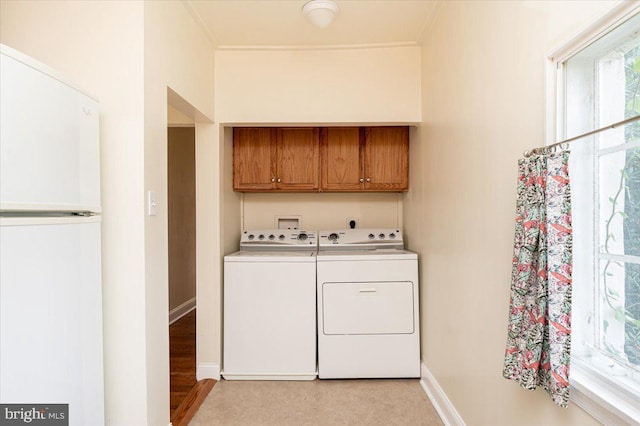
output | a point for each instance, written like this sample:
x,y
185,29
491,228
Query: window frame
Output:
x,y
587,390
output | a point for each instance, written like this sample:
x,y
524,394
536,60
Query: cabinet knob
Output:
x,y
361,180
279,180
368,179
273,179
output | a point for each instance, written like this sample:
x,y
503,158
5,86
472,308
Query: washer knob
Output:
x,y
333,237
371,236
392,235
281,237
381,236
261,237
251,236
302,237
272,237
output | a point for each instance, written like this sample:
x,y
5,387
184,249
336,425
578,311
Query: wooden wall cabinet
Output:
x,y
365,159
276,159
254,152
386,159
341,153
330,159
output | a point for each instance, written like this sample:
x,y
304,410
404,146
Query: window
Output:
x,y
601,86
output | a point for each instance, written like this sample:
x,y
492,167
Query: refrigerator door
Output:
x,y
51,315
49,140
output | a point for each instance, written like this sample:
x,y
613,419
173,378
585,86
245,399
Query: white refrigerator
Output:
x,y
51,347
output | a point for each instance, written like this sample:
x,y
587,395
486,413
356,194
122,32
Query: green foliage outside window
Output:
x,y
631,215
629,190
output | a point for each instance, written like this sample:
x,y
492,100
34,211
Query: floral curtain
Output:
x,y
539,331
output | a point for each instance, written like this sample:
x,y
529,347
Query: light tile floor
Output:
x,y
318,402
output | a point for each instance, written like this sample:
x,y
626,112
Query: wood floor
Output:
x,y
187,393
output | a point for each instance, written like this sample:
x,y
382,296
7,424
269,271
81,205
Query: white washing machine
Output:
x,y
367,290
270,307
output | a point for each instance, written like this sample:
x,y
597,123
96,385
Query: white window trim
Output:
x,y
604,406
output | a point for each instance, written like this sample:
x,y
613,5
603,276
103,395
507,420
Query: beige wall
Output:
x,y
483,92
177,55
208,251
231,202
318,86
99,45
175,117
323,211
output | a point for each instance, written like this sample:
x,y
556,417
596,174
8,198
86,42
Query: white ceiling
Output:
x,y
270,23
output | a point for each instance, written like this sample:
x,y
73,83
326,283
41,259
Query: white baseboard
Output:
x,y
438,398
208,371
179,311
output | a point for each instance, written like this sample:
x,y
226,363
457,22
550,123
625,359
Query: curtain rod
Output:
x,y
542,149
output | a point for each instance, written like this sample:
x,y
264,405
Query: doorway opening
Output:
x,y
181,203
185,125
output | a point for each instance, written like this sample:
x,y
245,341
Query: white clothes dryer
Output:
x,y
269,307
367,291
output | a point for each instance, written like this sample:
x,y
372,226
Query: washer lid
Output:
x,y
271,256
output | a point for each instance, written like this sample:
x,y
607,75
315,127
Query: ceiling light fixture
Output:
x,y
320,12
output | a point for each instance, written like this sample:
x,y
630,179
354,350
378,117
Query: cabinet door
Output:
x,y
297,162
341,159
253,159
386,159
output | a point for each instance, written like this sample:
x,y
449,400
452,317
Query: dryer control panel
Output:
x,y
361,238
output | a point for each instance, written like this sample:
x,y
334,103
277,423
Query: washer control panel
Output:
x,y
361,238
272,238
